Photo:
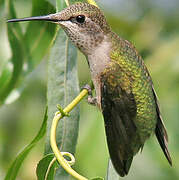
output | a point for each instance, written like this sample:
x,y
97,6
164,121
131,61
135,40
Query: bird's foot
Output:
x,y
91,100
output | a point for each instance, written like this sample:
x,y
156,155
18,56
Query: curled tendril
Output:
x,y
71,162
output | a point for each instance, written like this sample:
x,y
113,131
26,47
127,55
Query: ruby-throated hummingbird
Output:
x,y
123,86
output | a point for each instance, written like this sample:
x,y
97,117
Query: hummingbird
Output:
x,y
123,86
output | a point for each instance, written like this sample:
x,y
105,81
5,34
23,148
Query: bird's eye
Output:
x,y
80,19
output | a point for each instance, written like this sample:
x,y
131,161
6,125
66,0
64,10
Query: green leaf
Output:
x,y
46,168
53,2
14,168
15,39
27,49
60,4
1,3
62,89
39,35
6,73
111,172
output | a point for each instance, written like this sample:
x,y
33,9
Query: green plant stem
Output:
x,y
63,162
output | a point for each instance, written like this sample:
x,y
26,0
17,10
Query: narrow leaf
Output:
x,y
27,50
62,89
14,168
38,35
5,74
15,39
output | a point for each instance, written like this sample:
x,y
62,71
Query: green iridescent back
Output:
x,y
134,77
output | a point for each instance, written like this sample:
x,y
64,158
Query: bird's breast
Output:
x,y
98,61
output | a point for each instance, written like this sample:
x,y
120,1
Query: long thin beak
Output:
x,y
50,17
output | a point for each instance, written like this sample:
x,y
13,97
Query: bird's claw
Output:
x,y
91,100
88,88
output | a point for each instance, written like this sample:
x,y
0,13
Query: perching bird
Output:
x,y
123,86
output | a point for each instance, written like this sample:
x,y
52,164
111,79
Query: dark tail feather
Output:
x,y
163,141
161,132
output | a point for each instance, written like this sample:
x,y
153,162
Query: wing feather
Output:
x,y
119,111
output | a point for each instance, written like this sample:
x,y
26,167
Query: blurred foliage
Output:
x,y
26,49
153,27
14,168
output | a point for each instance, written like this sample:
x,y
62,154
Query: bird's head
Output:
x,y
84,24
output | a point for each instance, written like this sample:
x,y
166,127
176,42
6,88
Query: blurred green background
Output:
x,y
153,27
